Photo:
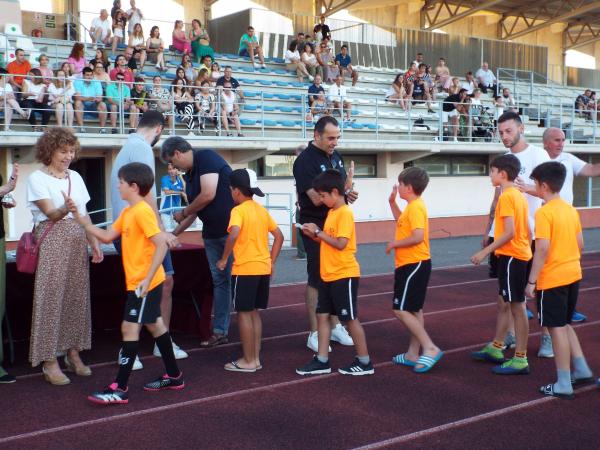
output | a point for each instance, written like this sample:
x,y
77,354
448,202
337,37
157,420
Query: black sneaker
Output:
x,y
7,379
356,368
165,382
110,396
315,367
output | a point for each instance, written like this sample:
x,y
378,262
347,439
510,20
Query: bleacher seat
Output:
x,y
6,49
13,29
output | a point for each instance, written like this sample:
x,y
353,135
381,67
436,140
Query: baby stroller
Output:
x,y
483,125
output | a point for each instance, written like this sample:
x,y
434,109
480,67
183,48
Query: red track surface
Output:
x,y
459,404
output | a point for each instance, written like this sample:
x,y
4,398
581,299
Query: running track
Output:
x,y
459,404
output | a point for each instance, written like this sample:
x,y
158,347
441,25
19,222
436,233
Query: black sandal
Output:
x,y
214,340
549,390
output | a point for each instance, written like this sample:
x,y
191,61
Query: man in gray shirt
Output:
x,y
138,148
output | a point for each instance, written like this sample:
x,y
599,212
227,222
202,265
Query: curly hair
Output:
x,y
78,51
52,140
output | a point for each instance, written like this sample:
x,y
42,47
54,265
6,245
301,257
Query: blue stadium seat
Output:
x,y
297,109
280,71
280,83
278,60
151,74
219,55
286,123
251,107
122,46
270,123
296,97
286,109
283,96
264,82
372,126
297,84
169,76
264,70
268,95
231,56
251,94
247,122
247,81
357,126
269,108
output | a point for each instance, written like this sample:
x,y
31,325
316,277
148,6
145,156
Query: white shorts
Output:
x,y
118,32
446,115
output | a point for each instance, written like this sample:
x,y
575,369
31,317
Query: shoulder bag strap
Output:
x,y
51,225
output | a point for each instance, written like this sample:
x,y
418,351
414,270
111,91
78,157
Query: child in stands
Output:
x,y
512,245
555,274
144,248
249,227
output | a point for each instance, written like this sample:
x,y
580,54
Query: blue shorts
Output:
x,y
244,52
90,108
167,262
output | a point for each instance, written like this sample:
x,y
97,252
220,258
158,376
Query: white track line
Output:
x,y
228,395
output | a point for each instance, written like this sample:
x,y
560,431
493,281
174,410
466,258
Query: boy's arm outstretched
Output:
x,y
234,232
160,242
509,233
105,236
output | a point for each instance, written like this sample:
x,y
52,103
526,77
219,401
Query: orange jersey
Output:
x,y
559,222
412,218
251,254
338,264
512,203
137,224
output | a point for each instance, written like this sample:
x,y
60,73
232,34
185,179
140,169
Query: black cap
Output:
x,y
245,178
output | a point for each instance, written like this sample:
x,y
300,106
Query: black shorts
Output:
x,y
410,286
313,253
143,310
512,278
339,298
556,305
250,292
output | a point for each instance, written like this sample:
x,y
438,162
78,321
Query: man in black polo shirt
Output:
x,y
319,156
235,85
207,188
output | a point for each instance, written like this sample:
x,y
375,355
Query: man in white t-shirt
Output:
x,y
337,95
134,16
100,28
486,79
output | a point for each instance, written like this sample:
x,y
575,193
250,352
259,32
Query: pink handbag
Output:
x,y
28,248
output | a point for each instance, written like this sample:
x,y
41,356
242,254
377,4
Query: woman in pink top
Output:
x,y
180,42
77,58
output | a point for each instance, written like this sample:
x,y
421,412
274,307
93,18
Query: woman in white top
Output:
x,y
397,93
205,106
7,97
215,73
294,63
310,60
184,104
61,92
229,109
34,98
186,64
137,41
61,300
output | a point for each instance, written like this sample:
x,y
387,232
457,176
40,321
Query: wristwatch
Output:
x,y
317,231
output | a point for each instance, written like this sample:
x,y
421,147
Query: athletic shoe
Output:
x,y
578,317
356,368
178,352
263,66
529,314
546,350
510,341
166,382
514,366
315,367
313,341
340,334
489,353
112,395
7,379
137,364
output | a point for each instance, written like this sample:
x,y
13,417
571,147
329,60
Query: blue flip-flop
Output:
x,y
403,361
428,362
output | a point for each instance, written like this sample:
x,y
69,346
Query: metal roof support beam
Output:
x,y
331,6
433,9
580,34
539,17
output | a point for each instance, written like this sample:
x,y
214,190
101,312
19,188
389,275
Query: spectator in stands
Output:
x,y
509,102
321,30
160,99
344,63
61,92
202,76
188,69
140,98
310,60
450,113
116,7
301,40
45,69
498,109
101,57
205,104
419,59
396,93
7,98
486,79
442,76
314,89
337,95
455,86
101,75
200,41
118,95
430,83
88,99
180,41
319,107
172,189
325,59
235,85
215,73
180,75
294,63
131,61
206,63
184,104
134,16
421,88
100,30
121,67
35,98
230,109
581,103
119,23
77,58
18,68
469,84
409,80
66,68
154,49
61,321
249,46
138,44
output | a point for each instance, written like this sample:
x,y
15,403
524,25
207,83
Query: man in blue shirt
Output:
x,y
344,62
314,89
88,98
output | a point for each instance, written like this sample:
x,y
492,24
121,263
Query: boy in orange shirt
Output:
x,y
512,246
340,274
555,274
144,247
253,266
413,268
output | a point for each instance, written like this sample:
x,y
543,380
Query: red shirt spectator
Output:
x,y
121,67
19,66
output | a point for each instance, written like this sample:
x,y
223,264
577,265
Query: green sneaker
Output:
x,y
489,353
514,366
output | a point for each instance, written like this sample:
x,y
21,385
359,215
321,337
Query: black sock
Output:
x,y
165,346
127,356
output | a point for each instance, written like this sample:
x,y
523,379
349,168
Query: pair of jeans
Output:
x,y
221,285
